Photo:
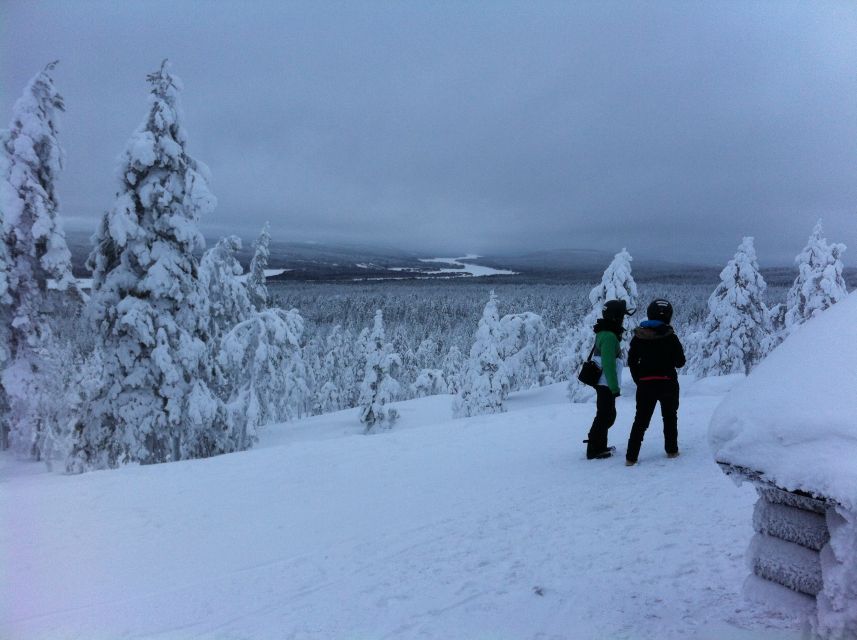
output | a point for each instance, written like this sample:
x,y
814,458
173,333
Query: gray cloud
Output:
x,y
672,128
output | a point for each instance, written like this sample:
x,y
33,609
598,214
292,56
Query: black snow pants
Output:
x,y
649,393
605,416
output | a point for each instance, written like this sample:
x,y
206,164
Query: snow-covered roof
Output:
x,y
794,418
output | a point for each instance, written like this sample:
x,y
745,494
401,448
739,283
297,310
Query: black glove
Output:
x,y
616,394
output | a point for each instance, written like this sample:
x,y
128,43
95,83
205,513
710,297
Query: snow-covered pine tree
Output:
x,y
228,299
734,335
261,358
378,387
819,283
37,259
617,283
256,283
148,304
483,378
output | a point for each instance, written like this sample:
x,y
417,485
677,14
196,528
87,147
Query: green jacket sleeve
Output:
x,y
608,347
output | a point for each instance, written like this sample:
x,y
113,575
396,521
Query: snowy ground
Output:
x,y
488,527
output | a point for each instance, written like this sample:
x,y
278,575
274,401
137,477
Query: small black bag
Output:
x,y
590,372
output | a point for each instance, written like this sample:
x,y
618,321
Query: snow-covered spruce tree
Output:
x,y
453,368
483,378
819,283
426,354
228,299
149,306
261,358
734,335
617,283
522,349
256,284
378,387
5,335
37,259
358,364
336,377
429,382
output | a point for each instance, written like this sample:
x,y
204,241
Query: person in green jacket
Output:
x,y
608,354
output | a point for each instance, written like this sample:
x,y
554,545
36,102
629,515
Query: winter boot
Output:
x,y
604,454
674,454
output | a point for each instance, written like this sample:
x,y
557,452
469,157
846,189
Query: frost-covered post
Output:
x,y
378,387
819,283
735,333
37,259
148,304
261,360
483,378
228,300
617,283
256,284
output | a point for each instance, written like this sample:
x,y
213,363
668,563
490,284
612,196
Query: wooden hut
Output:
x,y
790,429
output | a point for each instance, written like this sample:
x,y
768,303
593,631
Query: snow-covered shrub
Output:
x,y
617,283
36,259
261,360
483,379
257,286
819,283
148,305
228,300
429,382
378,387
735,333
522,349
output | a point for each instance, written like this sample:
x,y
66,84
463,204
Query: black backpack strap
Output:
x,y
589,357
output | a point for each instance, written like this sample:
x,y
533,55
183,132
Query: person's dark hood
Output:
x,y
604,324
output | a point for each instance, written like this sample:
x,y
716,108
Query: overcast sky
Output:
x,y
672,128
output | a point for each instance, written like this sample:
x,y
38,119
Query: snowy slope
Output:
x,y
487,527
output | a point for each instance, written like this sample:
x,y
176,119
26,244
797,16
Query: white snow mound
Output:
x,y
795,416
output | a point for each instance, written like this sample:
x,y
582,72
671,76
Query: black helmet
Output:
x,y
660,309
616,310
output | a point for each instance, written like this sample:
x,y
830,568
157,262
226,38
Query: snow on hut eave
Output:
x,y
759,478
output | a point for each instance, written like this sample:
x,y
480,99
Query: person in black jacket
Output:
x,y
653,357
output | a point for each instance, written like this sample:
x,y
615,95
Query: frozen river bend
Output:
x,y
489,527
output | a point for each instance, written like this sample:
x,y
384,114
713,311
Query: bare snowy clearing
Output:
x,y
489,526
